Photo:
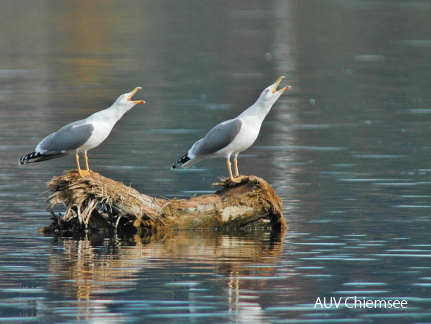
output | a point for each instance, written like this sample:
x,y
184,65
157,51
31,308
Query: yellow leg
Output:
x,y
77,163
230,169
86,161
235,163
82,173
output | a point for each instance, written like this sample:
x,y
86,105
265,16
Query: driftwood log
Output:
x,y
96,203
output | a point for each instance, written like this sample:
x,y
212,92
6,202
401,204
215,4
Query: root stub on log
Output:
x,y
96,203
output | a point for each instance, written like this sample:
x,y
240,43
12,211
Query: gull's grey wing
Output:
x,y
68,138
217,138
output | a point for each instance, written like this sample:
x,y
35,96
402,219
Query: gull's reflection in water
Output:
x,y
88,271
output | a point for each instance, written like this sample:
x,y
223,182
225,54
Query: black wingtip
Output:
x,y
27,158
39,157
181,161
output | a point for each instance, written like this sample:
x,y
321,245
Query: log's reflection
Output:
x,y
84,269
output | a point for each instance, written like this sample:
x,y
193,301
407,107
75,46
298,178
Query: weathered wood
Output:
x,y
96,203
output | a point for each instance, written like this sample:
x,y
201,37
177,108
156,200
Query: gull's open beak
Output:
x,y
132,94
276,85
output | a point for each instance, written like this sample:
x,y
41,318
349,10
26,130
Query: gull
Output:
x,y
82,135
234,135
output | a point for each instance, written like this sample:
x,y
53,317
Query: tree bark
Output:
x,y
95,203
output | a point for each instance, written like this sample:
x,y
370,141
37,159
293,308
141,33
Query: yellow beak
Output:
x,y
132,94
276,85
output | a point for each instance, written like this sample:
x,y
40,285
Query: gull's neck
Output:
x,y
112,114
258,110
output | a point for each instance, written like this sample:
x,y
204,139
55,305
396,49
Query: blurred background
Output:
x,y
347,148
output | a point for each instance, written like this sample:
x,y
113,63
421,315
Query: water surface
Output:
x,y
347,149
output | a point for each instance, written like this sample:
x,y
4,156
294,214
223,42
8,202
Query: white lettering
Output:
x,y
339,302
328,303
346,302
324,303
359,302
318,302
380,301
368,304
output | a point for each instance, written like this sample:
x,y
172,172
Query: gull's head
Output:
x,y
126,101
271,94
